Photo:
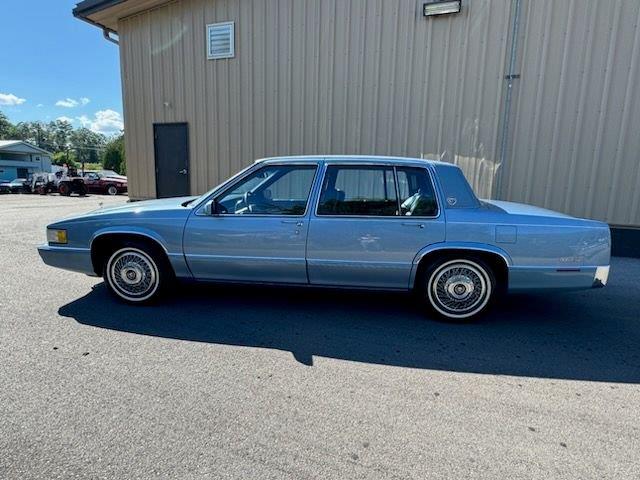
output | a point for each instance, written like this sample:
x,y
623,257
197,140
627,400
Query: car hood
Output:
x,y
164,204
115,179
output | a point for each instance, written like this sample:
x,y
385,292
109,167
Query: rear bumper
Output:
x,y
73,259
601,277
550,278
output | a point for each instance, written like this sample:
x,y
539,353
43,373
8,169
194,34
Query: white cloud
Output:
x,y
11,100
106,122
40,105
65,119
67,103
72,102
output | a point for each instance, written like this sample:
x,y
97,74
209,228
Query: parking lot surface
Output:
x,y
266,383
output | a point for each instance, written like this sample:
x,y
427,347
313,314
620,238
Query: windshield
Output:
x,y
210,192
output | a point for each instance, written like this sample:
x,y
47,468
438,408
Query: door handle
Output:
x,y
297,223
183,171
418,225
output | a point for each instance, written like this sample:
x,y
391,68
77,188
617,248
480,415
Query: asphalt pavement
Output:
x,y
268,383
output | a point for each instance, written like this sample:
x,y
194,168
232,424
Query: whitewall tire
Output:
x,y
459,289
133,274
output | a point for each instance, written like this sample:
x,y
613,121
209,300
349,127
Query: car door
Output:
x,y
369,223
257,228
91,181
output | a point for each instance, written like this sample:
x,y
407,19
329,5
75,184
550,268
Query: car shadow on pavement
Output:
x,y
580,335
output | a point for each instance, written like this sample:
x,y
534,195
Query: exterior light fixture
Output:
x,y
441,7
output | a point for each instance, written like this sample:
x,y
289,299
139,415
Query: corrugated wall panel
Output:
x,y
572,146
375,77
311,77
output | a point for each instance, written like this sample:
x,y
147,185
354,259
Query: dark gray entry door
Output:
x,y
171,145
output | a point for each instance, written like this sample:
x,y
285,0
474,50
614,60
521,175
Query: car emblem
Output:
x,y
452,201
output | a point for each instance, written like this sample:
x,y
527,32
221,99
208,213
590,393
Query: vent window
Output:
x,y
220,40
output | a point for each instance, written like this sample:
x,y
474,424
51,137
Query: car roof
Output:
x,y
364,159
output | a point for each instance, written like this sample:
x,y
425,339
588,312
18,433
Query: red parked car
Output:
x,y
98,182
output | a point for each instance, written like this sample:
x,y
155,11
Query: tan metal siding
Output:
x,y
311,77
375,77
575,144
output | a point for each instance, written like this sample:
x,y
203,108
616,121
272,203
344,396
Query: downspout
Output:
x,y
107,32
510,77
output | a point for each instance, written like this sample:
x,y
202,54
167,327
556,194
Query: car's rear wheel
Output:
x,y
459,288
136,273
63,189
112,190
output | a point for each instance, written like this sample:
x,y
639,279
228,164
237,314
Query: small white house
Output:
x,y
19,158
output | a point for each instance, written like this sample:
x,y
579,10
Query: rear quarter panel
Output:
x,y
533,241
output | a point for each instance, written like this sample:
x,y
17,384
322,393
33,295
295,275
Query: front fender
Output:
x,y
131,230
172,249
478,247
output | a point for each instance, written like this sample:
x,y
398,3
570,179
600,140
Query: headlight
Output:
x,y
56,236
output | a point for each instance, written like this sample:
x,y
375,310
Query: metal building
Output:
x,y
536,100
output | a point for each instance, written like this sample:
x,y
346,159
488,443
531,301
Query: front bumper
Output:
x,y
67,258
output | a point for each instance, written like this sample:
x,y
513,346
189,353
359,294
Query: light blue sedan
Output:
x,y
357,222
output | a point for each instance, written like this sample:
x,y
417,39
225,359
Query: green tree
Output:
x,y
36,133
68,157
68,145
60,134
113,157
7,129
87,145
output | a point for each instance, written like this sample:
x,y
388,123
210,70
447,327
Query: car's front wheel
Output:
x,y
136,273
458,289
112,190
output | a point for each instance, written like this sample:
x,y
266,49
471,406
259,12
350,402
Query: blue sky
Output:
x,y
53,65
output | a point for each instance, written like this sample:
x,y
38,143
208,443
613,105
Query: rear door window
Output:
x,y
358,191
417,197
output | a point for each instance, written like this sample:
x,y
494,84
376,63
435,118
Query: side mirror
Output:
x,y
212,207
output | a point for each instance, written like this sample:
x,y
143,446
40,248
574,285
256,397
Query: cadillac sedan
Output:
x,y
357,222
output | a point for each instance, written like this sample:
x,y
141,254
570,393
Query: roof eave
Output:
x,y
7,146
87,7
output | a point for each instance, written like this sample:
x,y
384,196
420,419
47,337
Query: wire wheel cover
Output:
x,y
459,288
133,274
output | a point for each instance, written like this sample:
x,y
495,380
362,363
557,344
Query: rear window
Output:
x,y
456,189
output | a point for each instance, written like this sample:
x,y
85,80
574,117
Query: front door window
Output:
x,y
272,190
